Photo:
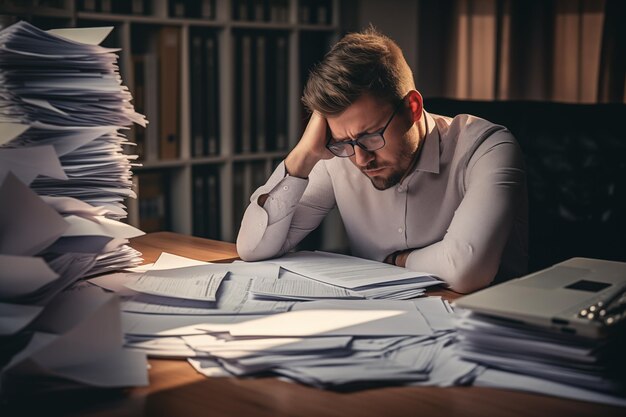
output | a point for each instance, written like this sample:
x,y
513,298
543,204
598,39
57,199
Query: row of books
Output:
x,y
261,83
316,12
204,90
25,4
261,10
137,7
309,11
153,200
197,9
157,95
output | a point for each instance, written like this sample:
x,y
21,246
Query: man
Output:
x,y
426,192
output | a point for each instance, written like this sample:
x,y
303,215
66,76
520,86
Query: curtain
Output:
x,y
551,50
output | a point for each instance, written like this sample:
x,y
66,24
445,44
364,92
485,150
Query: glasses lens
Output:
x,y
341,149
371,142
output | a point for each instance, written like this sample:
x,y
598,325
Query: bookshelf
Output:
x,y
220,82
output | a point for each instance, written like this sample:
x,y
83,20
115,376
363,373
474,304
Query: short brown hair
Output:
x,y
365,62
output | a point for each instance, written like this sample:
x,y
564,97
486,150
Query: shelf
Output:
x,y
222,96
153,20
259,156
38,11
177,163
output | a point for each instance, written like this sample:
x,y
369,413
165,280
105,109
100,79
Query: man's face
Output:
x,y
388,165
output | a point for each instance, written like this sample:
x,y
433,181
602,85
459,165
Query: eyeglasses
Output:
x,y
368,142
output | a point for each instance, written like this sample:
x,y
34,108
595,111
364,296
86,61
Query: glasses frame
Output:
x,y
358,140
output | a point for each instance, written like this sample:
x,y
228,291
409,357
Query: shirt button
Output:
x,y
400,189
400,230
286,187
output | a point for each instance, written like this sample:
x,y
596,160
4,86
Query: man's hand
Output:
x,y
398,258
310,149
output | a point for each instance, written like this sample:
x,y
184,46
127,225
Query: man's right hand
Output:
x,y
310,149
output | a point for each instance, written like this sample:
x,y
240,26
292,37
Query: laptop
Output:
x,y
579,296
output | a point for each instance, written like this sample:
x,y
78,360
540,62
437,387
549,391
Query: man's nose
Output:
x,y
362,157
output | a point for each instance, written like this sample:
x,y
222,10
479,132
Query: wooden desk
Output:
x,y
177,390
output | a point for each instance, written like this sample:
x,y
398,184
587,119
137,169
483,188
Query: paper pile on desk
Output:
x,y
63,178
521,356
329,342
359,277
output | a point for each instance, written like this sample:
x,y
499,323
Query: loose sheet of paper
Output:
x,y
197,285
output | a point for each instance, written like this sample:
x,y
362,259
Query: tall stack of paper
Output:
x,y
63,178
62,104
524,350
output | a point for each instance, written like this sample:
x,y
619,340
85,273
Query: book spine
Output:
x,y
199,207
261,105
169,57
151,77
197,80
246,85
211,96
281,93
139,97
213,205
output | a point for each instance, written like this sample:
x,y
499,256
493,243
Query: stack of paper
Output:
x,y
516,355
62,106
336,343
523,349
262,322
340,339
63,177
354,278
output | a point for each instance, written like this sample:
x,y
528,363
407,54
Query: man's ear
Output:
x,y
416,105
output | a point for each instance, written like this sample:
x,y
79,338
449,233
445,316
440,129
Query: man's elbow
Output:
x,y
468,277
246,253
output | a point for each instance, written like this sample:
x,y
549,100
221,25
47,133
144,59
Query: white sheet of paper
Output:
x,y
197,285
80,226
235,349
9,131
14,317
158,325
298,289
336,318
90,36
28,163
345,271
171,261
68,205
22,275
44,104
28,224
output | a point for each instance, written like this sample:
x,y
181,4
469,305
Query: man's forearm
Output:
x,y
300,163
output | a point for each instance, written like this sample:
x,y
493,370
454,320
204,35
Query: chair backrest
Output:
x,y
576,164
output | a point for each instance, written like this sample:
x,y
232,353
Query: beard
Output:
x,y
405,159
383,183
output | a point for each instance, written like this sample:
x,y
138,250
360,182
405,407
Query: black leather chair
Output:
x,y
576,164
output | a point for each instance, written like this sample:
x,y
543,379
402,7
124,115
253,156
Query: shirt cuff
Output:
x,y
284,197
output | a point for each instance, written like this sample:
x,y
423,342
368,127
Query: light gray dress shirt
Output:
x,y
463,209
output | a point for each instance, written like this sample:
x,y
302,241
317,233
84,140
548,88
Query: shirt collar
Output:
x,y
428,159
